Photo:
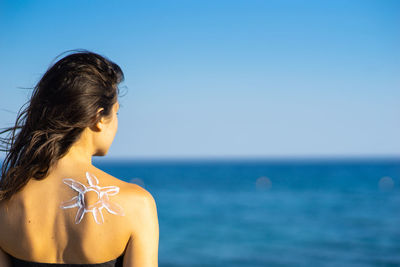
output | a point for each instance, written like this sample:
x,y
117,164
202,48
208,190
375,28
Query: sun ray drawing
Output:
x,y
96,208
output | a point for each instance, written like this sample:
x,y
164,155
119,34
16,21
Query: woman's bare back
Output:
x,y
36,226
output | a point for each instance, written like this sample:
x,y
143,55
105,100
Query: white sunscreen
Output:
x,y
102,199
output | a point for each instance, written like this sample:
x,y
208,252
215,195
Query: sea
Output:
x,y
251,213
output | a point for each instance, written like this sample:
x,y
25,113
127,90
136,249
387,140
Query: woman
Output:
x,y
55,206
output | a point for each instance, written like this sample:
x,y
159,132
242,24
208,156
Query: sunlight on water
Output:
x,y
263,183
386,183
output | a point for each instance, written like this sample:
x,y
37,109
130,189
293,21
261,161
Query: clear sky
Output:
x,y
216,78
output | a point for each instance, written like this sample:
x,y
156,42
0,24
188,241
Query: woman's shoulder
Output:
x,y
138,202
142,215
132,195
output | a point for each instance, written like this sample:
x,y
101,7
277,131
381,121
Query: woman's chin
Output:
x,y
100,153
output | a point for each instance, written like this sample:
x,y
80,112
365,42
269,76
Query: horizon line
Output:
x,y
252,158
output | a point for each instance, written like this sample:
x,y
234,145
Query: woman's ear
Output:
x,y
99,125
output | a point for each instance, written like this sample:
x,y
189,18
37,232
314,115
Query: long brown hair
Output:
x,y
63,103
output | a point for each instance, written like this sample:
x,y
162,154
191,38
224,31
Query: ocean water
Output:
x,y
272,213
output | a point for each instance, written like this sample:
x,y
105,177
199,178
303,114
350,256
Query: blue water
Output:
x,y
306,213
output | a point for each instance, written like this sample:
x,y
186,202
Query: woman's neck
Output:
x,y
80,152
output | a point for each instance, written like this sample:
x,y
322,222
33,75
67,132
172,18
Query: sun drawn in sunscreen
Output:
x,y
103,200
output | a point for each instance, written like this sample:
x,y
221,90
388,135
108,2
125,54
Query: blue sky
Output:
x,y
225,78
